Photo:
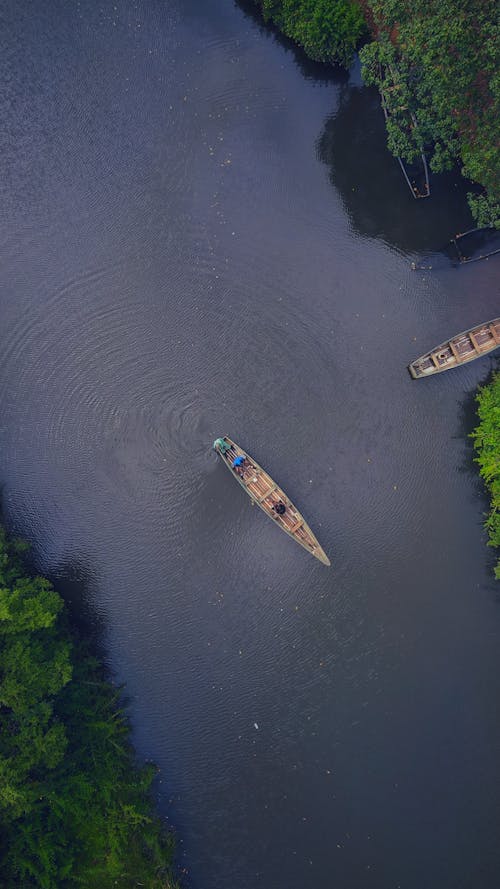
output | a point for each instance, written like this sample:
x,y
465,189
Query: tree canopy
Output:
x,y
75,809
487,443
328,30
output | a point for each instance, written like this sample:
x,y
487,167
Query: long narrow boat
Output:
x,y
476,244
461,349
416,174
267,494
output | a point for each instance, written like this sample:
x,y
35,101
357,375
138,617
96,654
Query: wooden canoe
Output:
x,y
476,244
266,494
461,349
416,174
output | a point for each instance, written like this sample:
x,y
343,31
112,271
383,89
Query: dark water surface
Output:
x,y
200,234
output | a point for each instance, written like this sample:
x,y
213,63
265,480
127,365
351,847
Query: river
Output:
x,y
204,234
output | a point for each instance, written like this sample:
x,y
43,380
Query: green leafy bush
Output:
x,y
74,808
487,444
485,211
328,30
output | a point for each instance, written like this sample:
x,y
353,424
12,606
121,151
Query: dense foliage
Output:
x,y
487,443
441,57
328,30
74,808
382,68
437,64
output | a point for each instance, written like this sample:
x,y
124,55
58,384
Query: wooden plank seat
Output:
x,y
266,494
295,527
474,342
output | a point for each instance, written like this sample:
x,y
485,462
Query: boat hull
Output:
x,y
460,349
267,494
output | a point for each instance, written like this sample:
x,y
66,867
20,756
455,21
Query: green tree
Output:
x,y
487,444
75,810
328,30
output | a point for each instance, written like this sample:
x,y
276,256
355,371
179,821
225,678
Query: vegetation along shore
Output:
x,y
486,438
437,64
75,809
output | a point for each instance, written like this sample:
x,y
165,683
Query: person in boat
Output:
x,y
239,465
221,446
279,507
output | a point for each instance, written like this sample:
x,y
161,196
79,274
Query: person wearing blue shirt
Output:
x,y
238,465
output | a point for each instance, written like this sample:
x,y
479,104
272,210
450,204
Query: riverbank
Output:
x,y
75,809
437,61
486,439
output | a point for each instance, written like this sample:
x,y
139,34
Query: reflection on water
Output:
x,y
77,584
371,184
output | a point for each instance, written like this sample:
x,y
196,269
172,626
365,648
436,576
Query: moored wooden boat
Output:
x,y
416,174
264,491
460,349
476,244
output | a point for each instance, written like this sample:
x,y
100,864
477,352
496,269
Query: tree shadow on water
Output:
x,y
369,180
75,584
